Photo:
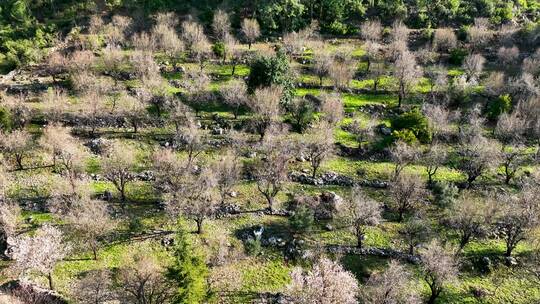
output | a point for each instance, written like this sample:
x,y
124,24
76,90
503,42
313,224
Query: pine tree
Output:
x,y
188,272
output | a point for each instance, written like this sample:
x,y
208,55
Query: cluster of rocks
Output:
x,y
334,179
324,205
26,292
380,252
328,178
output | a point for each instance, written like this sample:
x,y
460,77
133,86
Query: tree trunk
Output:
x,y
94,252
199,225
50,279
233,69
19,159
434,295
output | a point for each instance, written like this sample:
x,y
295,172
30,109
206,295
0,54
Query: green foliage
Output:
x,y
253,246
445,193
496,107
188,272
282,15
301,111
266,71
414,121
5,119
219,49
302,219
405,135
457,55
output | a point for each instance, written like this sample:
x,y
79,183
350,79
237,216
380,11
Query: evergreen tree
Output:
x,y
188,272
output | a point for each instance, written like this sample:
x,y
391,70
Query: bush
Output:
x,y
457,55
266,71
219,49
496,107
414,121
404,135
253,246
302,219
6,121
445,193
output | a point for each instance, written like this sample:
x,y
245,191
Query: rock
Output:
x,y
384,130
251,154
329,227
511,261
107,195
233,194
217,131
329,204
97,145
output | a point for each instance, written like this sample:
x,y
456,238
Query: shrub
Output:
x,y
266,71
405,135
5,119
445,193
219,49
414,121
496,107
253,246
457,55
302,219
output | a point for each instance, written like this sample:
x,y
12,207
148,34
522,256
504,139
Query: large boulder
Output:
x,y
329,204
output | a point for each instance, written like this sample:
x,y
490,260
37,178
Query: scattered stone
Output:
x,y
511,261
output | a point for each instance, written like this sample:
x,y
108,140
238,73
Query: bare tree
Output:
x,y
373,53
317,145
16,144
327,282
92,222
363,131
439,267
518,216
407,72
402,154
508,55
332,108
191,139
196,41
473,66
10,220
531,64
399,32
343,68
164,36
169,171
118,167
510,127
371,30
444,39
405,192
94,288
142,281
438,117
361,212
477,155
469,217
479,34
495,84
390,286
133,110
197,198
433,158
234,95
227,173
39,252
322,63
266,108
196,84
513,158
250,30
271,169
221,25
